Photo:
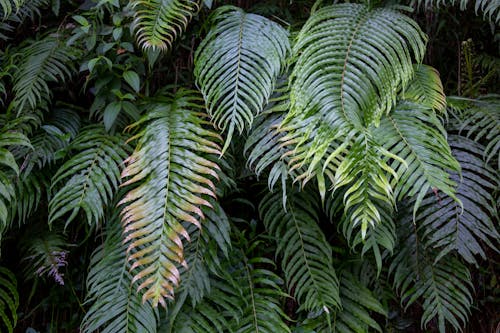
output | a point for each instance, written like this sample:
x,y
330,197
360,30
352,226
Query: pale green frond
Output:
x,y
306,255
9,300
379,237
479,119
426,88
88,180
170,178
415,134
350,63
158,23
237,65
366,171
40,63
115,306
443,288
448,227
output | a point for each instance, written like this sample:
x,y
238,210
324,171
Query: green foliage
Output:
x,y
307,256
443,286
90,178
171,176
237,65
9,299
444,223
159,22
349,194
415,133
40,62
115,306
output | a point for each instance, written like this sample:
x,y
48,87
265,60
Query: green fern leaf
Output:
x,y
115,306
9,300
261,292
415,134
490,8
170,176
307,256
480,120
444,286
89,179
444,223
426,88
159,22
43,61
236,66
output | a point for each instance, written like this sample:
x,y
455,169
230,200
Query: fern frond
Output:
x,y
355,315
426,88
115,306
479,120
237,65
170,177
261,292
444,287
41,62
490,8
30,190
89,180
44,253
467,231
9,300
414,133
8,165
306,254
202,253
51,140
159,22
350,62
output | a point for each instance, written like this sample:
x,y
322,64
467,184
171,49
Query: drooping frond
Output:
x,y
350,62
115,305
379,237
263,146
14,12
202,254
8,168
426,88
41,62
442,220
261,293
29,191
355,315
490,8
236,66
414,133
306,255
366,171
479,120
170,177
9,300
51,140
44,254
443,288
159,22
90,178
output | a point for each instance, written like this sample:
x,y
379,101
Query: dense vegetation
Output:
x,y
249,166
